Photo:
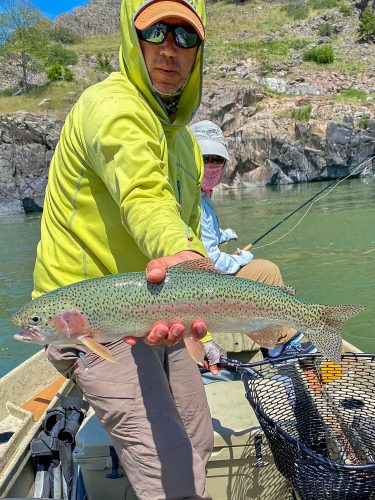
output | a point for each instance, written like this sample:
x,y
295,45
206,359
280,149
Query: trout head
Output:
x,y
42,323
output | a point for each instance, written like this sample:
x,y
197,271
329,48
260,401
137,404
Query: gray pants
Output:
x,y
153,404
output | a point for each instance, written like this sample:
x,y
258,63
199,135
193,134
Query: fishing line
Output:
x,y
352,172
368,251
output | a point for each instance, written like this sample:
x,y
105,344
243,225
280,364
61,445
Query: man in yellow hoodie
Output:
x,y
124,189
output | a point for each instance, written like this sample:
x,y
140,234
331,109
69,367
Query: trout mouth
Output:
x,y
29,335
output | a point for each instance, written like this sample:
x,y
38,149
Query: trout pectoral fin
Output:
x,y
97,348
195,349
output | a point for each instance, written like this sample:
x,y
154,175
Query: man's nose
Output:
x,y
168,47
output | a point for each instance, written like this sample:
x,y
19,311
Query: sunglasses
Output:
x,y
218,160
184,37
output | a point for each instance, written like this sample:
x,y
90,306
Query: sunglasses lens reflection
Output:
x,y
184,37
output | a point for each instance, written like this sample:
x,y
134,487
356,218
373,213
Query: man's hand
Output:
x,y
163,331
213,354
157,268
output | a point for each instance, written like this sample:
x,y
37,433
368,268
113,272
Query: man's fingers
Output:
x,y
214,369
130,339
156,270
199,328
163,332
169,333
247,248
158,333
175,333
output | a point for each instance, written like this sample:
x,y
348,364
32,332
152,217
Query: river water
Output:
x,y
329,257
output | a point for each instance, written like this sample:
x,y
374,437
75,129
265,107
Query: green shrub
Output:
x,y
104,63
322,4
367,24
325,29
68,74
352,95
345,9
295,11
55,72
363,123
58,72
302,114
7,92
64,35
60,55
322,55
299,43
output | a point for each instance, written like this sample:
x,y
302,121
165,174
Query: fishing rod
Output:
x,y
334,183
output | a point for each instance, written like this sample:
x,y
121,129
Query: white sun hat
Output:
x,y
210,138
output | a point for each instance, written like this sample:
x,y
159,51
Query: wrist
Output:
x,y
189,254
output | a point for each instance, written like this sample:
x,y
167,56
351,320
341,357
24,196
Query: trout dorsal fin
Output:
x,y
196,265
289,290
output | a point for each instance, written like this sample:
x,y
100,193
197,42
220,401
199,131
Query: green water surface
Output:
x,y
329,257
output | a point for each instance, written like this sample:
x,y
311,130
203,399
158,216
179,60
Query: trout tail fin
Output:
x,y
326,335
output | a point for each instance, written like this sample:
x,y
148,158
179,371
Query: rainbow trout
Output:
x,y
100,310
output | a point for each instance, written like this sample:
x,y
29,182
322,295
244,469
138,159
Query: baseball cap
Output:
x,y
210,138
158,10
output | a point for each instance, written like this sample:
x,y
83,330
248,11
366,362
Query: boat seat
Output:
x,y
235,342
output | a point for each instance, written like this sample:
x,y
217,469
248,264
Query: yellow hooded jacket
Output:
x,y
124,182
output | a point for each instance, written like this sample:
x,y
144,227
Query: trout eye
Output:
x,y
35,319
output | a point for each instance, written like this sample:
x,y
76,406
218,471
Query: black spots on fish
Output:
x,y
155,288
204,265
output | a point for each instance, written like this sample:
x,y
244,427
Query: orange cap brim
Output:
x,y
159,10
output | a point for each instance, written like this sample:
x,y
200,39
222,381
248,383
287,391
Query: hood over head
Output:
x,y
132,63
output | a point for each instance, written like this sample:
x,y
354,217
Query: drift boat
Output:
x,y
241,465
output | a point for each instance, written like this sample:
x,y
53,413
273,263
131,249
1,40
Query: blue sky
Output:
x,y
51,8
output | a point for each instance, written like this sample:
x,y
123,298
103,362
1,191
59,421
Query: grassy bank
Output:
x,y
256,30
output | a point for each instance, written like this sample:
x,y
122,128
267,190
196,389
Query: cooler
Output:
x,y
95,457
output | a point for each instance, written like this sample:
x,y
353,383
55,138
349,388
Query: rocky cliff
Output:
x,y
268,146
265,148
27,143
98,17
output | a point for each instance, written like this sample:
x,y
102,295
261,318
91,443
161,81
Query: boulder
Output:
x,y
27,143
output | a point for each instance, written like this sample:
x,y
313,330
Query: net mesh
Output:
x,y
319,419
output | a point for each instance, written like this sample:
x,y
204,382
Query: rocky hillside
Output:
x,y
98,17
285,120
268,146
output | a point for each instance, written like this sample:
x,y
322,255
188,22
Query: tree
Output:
x,y
367,25
23,40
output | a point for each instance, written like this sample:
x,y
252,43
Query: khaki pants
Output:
x,y
267,272
153,405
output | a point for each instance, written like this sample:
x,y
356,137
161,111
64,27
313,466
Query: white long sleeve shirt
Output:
x,y
213,236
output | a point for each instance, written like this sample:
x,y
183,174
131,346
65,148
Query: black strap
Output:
x,y
55,443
